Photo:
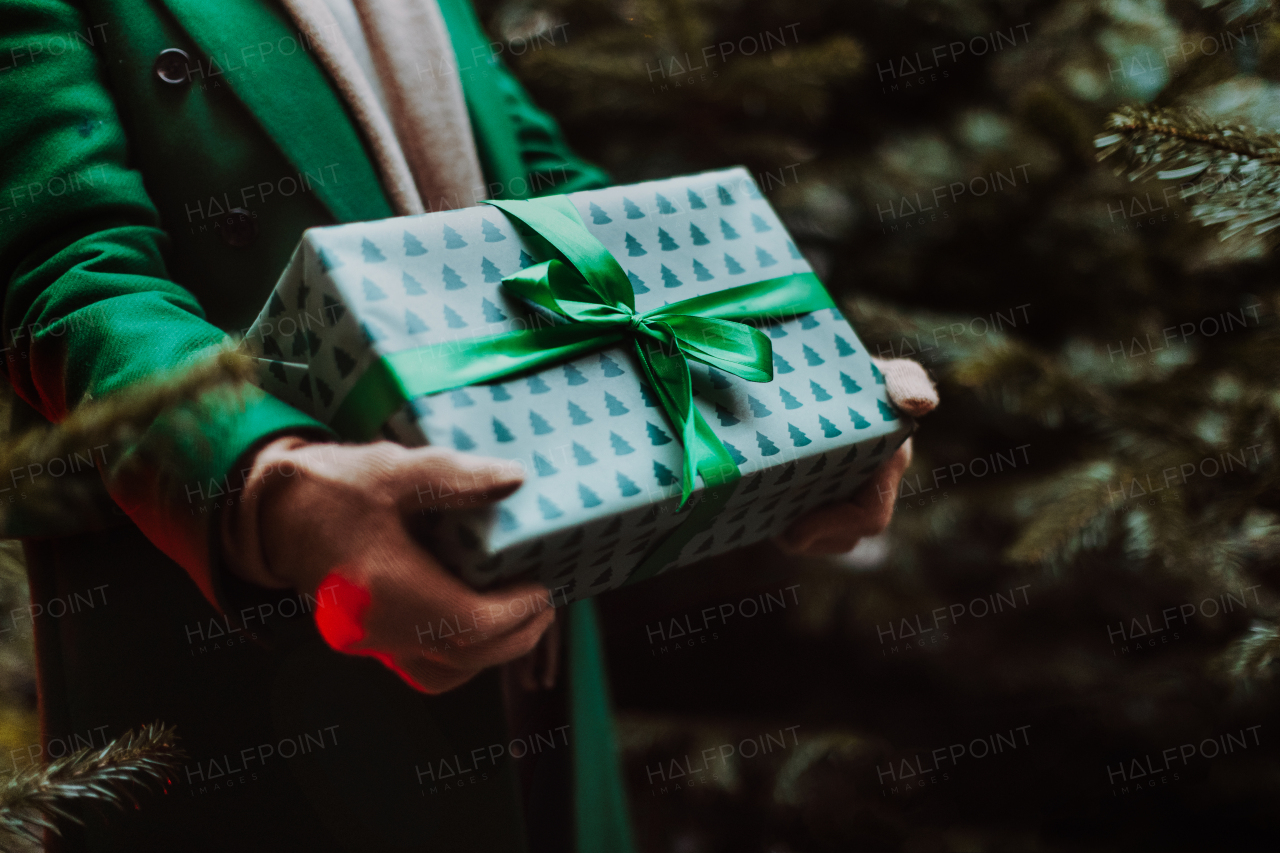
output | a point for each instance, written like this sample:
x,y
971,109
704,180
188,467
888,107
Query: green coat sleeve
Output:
x,y
88,305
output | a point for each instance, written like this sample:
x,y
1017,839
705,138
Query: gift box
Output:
x,y
617,344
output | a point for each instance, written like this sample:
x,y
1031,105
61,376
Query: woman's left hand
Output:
x,y
836,528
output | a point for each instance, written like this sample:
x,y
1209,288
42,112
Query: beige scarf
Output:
x,y
423,149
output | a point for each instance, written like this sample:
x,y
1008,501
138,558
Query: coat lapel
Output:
x,y
289,95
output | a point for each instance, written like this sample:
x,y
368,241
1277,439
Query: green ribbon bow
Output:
x,y
589,298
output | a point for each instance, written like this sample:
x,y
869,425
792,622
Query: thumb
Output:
x,y
908,385
438,478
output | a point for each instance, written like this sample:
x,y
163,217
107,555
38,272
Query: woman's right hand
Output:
x,y
331,520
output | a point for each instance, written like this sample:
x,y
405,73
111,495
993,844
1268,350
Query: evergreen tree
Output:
x,y
539,424
632,210
543,466
412,287
491,232
793,251
759,224
648,395
808,321
829,429
885,412
598,216
371,253
490,271
767,447
733,266
507,522
664,206
669,278
696,236
695,201
811,358
637,283
627,486
581,455
634,249
665,242
620,446
664,475
819,393
764,258
499,393
492,313
734,453
781,365
726,417
788,400
500,431
537,385
614,405
526,260
573,375
610,367
725,198
413,246
549,510
701,272
577,416
758,409
843,347
859,422
798,438
452,239
413,323
589,498
726,230
462,441
656,436
776,331
460,398
452,281
372,292
875,371
850,386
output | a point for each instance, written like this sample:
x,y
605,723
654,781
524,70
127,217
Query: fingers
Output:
x,y
438,673
436,478
908,386
836,528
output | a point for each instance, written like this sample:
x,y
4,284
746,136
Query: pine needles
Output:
x,y
1230,173
37,797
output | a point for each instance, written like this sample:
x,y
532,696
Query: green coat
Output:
x,y
122,260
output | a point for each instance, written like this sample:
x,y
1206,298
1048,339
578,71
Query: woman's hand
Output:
x,y
837,527
330,520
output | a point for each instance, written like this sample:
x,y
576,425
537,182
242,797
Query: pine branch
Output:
x,y
38,796
117,420
1252,655
1230,173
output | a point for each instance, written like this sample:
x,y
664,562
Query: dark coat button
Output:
x,y
172,66
238,228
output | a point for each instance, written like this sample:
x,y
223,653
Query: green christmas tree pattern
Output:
x,y
598,216
577,416
549,510
372,293
637,283
798,438
811,357
734,453
499,393
696,236
490,271
589,498
634,249
767,447
664,206
619,444
788,400
633,211
829,429
759,224
725,198
413,246
885,412
610,367
764,258
413,323
758,409
491,232
537,385
726,417
843,347
701,272
859,422
669,278
462,441
460,398
573,375
733,266
664,475
665,241
849,385
726,230
819,393
781,365
492,313
372,255
695,200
